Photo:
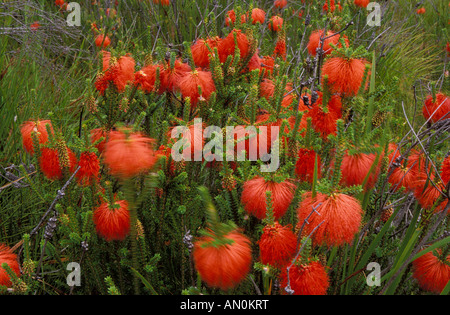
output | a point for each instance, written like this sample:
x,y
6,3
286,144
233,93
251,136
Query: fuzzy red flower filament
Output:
x,y
128,155
277,245
112,222
9,258
223,266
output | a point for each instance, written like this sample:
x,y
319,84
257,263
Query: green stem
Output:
x,y
129,189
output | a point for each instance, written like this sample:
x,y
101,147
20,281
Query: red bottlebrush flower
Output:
x,y
146,78
323,121
356,167
345,75
197,140
129,155
162,2
102,41
341,216
448,49
201,53
266,88
362,3
35,26
112,222
97,134
268,64
445,170
275,23
403,177
304,168
59,2
230,18
332,7
306,278
258,16
29,127
8,257
314,42
431,273
324,118
227,45
170,77
89,168
393,153
428,190
438,110
190,83
280,4
119,72
254,197
417,161
226,265
50,163
421,10
254,63
277,245
280,49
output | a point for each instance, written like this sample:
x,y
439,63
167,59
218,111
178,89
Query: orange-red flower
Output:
x,y
445,170
162,2
230,18
50,163
102,41
341,215
362,3
193,81
170,77
276,23
258,16
403,177
38,126
356,167
99,133
332,7
226,265
314,42
120,73
35,26
324,121
267,64
197,140
427,191
9,258
112,222
345,75
421,11
146,77
277,245
254,63
431,273
201,53
438,110
89,168
280,49
227,45
304,167
280,3
254,197
306,278
128,155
